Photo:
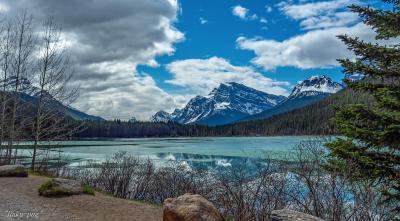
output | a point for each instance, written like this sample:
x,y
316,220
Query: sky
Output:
x,y
133,58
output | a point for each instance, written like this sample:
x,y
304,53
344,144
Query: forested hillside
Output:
x,y
313,119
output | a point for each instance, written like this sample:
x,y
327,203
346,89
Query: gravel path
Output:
x,y
19,200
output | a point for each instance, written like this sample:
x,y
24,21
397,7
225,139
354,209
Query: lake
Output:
x,y
206,152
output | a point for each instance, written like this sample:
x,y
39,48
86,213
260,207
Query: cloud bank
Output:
x,y
319,46
107,40
202,75
314,49
323,14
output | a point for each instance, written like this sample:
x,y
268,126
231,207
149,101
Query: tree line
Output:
x,y
314,119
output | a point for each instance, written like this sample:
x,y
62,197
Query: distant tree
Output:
x,y
370,150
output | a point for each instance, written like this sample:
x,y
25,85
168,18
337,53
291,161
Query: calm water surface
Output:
x,y
197,152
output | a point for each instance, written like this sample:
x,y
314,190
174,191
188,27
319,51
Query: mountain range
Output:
x,y
233,102
29,94
226,104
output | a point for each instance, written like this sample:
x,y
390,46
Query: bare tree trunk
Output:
x,y
23,46
54,76
6,57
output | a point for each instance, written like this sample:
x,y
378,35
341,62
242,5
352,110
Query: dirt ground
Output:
x,y
19,200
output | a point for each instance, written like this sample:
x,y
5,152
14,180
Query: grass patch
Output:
x,y
50,189
87,189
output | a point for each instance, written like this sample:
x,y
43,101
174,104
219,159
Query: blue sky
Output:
x,y
218,35
136,57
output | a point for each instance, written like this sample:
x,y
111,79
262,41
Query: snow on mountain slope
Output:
x,y
304,93
225,104
161,116
231,102
316,85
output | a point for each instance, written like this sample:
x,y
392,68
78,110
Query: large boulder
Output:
x,y
13,171
190,207
291,215
63,187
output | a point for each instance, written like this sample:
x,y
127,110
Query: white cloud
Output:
x,y
202,75
263,20
243,13
306,10
339,19
253,17
314,49
319,47
240,11
268,8
203,21
324,14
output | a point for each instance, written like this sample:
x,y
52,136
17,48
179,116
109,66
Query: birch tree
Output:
x,y
53,74
21,51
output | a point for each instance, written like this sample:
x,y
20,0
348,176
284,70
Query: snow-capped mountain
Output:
x,y
225,104
30,94
304,93
315,85
177,112
161,116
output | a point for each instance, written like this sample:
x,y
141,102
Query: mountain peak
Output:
x,y
226,86
316,84
161,116
224,104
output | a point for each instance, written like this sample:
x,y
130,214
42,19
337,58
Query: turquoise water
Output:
x,y
198,152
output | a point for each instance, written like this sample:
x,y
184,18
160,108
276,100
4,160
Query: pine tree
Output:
x,y
370,149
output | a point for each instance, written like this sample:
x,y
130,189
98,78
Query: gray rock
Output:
x,y
72,186
13,171
190,207
291,215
